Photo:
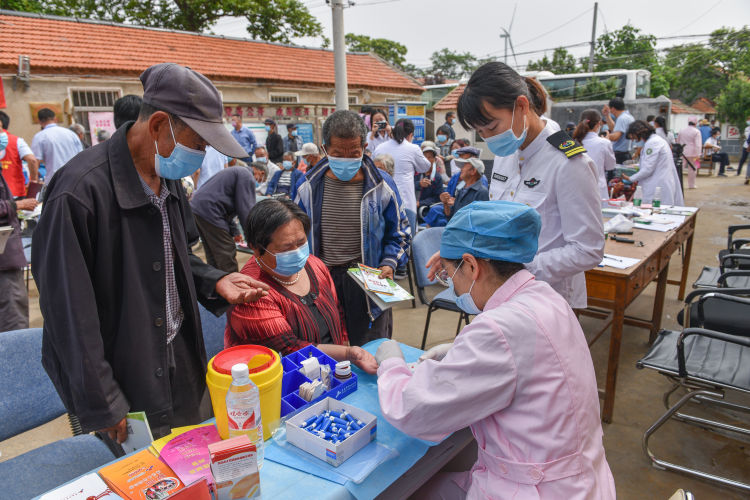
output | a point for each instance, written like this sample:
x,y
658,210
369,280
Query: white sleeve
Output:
x,y
37,146
580,210
648,163
474,380
23,148
421,164
609,157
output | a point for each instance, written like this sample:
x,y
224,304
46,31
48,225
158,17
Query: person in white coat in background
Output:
x,y
598,148
546,170
408,160
655,166
520,375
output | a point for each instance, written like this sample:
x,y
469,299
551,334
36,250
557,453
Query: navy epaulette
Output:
x,y
563,142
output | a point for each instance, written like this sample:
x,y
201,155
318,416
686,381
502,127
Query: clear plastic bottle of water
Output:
x,y
243,409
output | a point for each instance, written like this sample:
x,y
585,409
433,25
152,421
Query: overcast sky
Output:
x,y
425,26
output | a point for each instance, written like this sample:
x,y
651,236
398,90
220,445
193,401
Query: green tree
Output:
x,y
732,50
625,48
693,71
597,89
391,51
562,62
733,103
449,64
268,20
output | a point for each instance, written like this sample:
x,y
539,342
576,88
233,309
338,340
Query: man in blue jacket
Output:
x,y
357,216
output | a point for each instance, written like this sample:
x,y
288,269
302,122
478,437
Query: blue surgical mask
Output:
x,y
262,159
295,133
442,138
287,164
344,168
455,153
3,141
506,143
268,128
638,144
464,301
291,262
183,161
453,121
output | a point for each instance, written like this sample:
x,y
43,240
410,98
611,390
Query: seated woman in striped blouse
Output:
x,y
301,307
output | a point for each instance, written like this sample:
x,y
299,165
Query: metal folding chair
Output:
x,y
707,364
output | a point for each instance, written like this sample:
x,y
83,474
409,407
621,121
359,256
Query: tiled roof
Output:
x,y
680,107
69,46
704,106
450,101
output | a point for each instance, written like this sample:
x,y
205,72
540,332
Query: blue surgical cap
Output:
x,y
496,230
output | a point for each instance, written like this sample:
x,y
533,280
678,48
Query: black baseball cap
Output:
x,y
291,126
191,96
269,121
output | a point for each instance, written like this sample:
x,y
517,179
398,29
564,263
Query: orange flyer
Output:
x,y
141,476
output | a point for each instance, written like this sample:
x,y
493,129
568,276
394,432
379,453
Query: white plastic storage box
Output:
x,y
334,454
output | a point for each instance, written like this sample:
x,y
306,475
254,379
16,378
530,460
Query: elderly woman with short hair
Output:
x,y
301,307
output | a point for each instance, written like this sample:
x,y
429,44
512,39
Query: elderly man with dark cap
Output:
x,y
118,284
292,141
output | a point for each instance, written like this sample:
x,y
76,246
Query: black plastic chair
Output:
x,y
707,364
424,245
733,257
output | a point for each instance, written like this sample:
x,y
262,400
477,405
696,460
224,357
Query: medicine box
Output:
x,y
334,454
293,378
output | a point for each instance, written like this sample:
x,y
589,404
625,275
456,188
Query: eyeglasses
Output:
x,y
444,278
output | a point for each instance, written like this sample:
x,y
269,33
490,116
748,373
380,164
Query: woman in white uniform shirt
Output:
x,y
545,170
598,148
408,160
660,125
656,166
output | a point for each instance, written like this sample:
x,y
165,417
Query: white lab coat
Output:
x,y
601,153
564,191
656,168
521,376
407,160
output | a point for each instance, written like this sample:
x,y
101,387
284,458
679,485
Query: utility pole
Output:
x,y
339,55
593,39
505,37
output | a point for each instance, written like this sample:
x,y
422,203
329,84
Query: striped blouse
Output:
x,y
280,320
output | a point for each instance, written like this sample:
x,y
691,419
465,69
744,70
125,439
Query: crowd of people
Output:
x,y
119,284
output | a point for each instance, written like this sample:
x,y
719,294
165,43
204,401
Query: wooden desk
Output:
x,y
615,289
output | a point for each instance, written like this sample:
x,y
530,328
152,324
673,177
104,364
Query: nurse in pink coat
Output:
x,y
520,375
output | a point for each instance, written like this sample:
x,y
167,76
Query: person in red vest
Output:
x,y
11,156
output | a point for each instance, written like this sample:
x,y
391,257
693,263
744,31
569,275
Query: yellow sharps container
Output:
x,y
265,372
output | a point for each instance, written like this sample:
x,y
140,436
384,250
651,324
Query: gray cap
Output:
x,y
475,162
429,146
468,149
192,97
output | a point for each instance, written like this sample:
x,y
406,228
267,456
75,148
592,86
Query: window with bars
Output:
x,y
284,98
353,99
85,100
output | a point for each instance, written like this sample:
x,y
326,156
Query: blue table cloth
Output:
x,y
278,481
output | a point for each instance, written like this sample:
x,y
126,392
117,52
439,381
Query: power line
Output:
x,y
576,18
697,18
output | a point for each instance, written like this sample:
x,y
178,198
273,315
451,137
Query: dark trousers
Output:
x,y
221,251
191,403
723,160
743,158
622,156
360,327
14,301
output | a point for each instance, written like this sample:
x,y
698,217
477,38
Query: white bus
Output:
x,y
630,84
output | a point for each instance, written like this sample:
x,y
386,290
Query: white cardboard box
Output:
x,y
334,454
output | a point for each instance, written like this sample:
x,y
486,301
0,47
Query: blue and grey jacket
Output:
x,y
386,234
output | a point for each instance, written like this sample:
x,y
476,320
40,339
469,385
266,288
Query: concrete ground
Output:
x,y
723,201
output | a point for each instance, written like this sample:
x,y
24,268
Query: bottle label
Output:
x,y
656,203
241,419
636,202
